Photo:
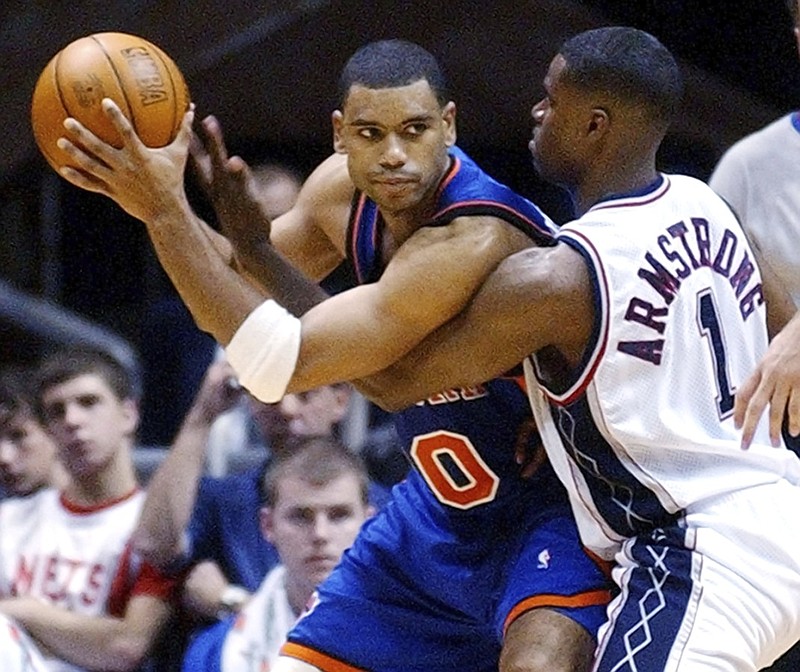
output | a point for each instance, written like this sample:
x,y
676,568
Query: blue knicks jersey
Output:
x,y
462,442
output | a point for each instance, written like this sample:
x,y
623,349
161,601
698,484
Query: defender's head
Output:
x,y
611,94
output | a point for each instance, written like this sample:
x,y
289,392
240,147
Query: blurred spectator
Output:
x,y
73,592
28,461
175,353
208,528
760,177
315,501
252,424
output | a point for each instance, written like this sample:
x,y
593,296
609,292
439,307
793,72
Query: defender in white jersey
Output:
x,y
72,594
643,320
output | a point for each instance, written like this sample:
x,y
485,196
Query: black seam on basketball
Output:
x,y
167,69
120,84
52,158
58,84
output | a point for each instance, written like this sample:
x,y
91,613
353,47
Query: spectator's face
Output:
x,y
311,526
89,423
27,455
313,413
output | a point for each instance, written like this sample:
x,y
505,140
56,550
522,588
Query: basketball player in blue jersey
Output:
x,y
644,320
471,566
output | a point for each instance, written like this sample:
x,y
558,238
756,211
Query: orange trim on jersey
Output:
x,y
362,199
520,381
604,566
83,510
448,177
317,659
589,599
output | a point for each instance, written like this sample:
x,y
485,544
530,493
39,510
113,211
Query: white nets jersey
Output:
x,y
643,431
78,559
260,630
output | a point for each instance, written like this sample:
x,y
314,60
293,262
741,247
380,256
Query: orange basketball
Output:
x,y
134,73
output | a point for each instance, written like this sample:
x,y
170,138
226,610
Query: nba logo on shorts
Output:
x,y
544,560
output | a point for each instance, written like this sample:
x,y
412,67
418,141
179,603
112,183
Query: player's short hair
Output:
x,y
17,395
316,461
65,364
388,64
628,64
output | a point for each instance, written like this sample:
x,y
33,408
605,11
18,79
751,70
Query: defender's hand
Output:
x,y
231,188
775,383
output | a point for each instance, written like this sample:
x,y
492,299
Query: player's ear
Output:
x,y
797,37
599,119
337,121
449,120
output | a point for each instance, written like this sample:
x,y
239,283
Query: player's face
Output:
x,y
557,143
311,526
27,455
396,141
89,423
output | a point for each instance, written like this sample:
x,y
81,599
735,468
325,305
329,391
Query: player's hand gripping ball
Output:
x,y
138,76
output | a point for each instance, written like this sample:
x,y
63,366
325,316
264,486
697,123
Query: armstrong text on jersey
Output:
x,y
679,251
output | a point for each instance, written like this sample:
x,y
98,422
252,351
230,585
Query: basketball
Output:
x,y
138,76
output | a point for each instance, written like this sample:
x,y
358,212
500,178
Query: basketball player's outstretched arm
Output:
x,y
308,236
148,184
356,333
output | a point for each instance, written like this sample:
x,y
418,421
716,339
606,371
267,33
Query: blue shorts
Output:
x,y
378,611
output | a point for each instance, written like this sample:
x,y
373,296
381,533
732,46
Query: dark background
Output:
x,y
268,70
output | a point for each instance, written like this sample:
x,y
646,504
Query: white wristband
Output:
x,y
264,351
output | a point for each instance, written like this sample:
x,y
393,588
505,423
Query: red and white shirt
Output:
x,y
77,558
